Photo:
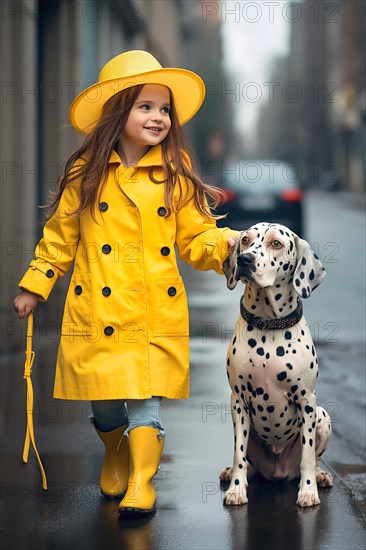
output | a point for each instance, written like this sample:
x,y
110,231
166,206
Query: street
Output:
x,y
190,515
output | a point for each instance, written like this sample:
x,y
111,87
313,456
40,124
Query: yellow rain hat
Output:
x,y
130,69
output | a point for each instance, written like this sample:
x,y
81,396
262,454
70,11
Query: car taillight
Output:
x,y
292,195
228,195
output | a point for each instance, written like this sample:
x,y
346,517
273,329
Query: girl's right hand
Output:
x,y
24,303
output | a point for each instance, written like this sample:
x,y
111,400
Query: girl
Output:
x,y
128,196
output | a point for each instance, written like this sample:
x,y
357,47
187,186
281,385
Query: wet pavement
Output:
x,y
73,515
190,515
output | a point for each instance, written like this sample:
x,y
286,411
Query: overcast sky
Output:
x,y
253,34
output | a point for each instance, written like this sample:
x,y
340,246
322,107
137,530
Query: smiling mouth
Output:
x,y
153,129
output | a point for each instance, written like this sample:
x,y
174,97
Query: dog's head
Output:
x,y
266,253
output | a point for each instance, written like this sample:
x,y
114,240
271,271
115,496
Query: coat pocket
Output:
x,y
77,316
171,308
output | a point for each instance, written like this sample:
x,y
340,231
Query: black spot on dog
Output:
x,y
308,409
270,409
266,397
288,335
280,351
260,351
281,376
252,342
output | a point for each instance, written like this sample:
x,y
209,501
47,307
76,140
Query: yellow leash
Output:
x,y
29,435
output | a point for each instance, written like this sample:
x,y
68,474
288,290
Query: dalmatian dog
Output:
x,y
272,366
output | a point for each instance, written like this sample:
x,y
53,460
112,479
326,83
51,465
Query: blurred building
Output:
x,y
317,118
50,51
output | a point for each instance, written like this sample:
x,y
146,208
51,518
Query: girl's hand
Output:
x,y
24,303
232,243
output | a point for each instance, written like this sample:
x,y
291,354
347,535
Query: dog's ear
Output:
x,y
229,266
309,271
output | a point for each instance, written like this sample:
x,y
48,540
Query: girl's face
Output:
x,y
149,122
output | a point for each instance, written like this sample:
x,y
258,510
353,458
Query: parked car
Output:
x,y
261,191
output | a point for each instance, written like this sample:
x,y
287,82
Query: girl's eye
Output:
x,y
276,244
166,110
145,107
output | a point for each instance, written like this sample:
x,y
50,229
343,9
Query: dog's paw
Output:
x,y
324,479
226,474
234,498
307,498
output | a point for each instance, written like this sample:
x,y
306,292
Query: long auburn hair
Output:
x,y
98,146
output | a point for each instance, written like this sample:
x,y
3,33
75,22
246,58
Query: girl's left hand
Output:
x,y
231,242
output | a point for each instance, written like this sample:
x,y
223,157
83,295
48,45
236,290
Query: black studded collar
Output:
x,y
272,324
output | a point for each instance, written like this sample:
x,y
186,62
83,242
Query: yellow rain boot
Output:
x,y
145,453
114,474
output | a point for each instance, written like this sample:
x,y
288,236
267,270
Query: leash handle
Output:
x,y
29,434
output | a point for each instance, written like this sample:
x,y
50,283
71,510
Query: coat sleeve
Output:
x,y
55,252
199,241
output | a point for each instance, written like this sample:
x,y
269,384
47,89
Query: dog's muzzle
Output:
x,y
245,266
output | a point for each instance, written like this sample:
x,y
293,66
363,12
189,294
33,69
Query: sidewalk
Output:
x,y
73,515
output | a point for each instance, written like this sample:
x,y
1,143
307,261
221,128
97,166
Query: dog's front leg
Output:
x,y
308,489
237,492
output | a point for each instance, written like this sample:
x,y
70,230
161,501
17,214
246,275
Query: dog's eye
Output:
x,y
244,240
276,244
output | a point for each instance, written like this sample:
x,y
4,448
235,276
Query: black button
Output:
x,y
108,331
172,291
106,291
78,290
165,251
50,273
103,206
106,249
161,211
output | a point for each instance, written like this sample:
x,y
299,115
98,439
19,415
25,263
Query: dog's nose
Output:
x,y
245,259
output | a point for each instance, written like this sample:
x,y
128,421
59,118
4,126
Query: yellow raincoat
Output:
x,y
125,325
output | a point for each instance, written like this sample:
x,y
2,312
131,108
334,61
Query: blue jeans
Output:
x,y
110,414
